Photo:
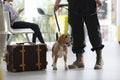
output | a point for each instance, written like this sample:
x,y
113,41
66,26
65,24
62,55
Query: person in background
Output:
x,y
16,23
80,12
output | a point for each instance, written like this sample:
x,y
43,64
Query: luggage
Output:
x,y
21,57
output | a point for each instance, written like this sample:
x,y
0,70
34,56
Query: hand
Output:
x,y
55,7
99,3
20,10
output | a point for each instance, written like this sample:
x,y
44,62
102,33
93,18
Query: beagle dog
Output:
x,y
59,50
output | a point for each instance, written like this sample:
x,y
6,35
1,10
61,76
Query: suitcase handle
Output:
x,y
31,43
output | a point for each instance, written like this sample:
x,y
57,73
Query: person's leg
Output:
x,y
34,38
33,26
38,33
94,33
95,38
77,26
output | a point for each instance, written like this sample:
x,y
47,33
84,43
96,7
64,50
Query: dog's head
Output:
x,y
64,39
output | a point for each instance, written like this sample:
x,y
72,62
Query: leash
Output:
x,y
57,21
57,26
60,5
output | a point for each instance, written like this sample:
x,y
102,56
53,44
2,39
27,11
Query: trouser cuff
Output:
x,y
98,48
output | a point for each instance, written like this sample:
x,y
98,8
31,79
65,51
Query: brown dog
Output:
x,y
59,49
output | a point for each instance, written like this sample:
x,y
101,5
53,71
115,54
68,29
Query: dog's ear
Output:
x,y
66,35
60,39
63,36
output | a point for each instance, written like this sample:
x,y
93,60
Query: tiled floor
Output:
x,y
110,71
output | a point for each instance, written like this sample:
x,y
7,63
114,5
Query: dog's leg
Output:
x,y
52,60
65,62
55,62
53,57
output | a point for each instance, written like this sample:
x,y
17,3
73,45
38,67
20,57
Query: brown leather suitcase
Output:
x,y
21,57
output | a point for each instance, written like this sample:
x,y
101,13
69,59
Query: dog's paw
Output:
x,y
54,68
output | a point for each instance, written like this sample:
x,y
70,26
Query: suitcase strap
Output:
x,y
38,53
23,58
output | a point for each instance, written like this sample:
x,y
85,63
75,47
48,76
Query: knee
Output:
x,y
35,26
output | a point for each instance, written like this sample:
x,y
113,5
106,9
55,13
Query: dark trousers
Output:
x,y
93,30
34,27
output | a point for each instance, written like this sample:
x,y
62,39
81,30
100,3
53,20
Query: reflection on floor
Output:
x,y
110,71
